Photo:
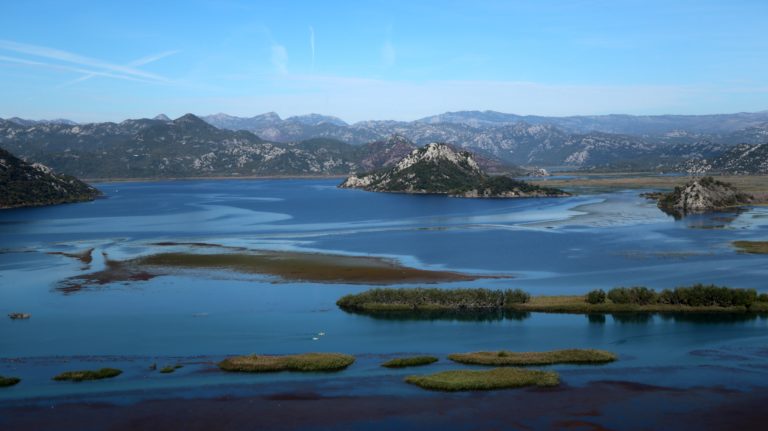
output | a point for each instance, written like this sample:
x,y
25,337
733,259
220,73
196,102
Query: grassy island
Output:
x,y
307,362
497,378
752,247
170,368
697,298
503,357
411,361
79,376
8,381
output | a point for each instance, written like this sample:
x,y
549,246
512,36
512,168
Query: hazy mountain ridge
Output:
x,y
593,142
743,159
614,123
190,147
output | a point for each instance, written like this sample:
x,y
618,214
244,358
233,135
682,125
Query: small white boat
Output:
x,y
19,316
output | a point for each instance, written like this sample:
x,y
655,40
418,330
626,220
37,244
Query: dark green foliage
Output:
x,y
595,297
79,376
8,381
409,362
700,295
416,298
516,296
25,185
763,297
500,184
632,295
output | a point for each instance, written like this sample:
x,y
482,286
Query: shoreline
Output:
x,y
212,178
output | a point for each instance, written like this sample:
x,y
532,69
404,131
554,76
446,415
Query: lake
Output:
x,y
545,246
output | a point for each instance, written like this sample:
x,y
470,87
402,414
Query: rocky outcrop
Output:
x,y
439,169
702,195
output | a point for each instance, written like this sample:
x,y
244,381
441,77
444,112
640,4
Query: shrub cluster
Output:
x,y
595,297
698,295
432,297
633,295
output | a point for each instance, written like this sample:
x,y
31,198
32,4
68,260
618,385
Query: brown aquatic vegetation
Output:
x,y
752,247
503,357
497,378
307,405
85,256
307,362
114,271
305,267
288,266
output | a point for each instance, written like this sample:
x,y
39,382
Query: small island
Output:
x,y
439,169
306,362
484,380
87,375
6,382
701,195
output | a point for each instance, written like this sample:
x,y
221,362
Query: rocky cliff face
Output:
x,y
23,184
439,169
702,195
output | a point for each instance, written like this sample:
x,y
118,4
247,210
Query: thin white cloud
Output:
x,y
388,54
140,62
312,45
83,61
69,68
280,58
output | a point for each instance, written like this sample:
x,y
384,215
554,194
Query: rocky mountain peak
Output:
x,y
439,169
702,195
435,153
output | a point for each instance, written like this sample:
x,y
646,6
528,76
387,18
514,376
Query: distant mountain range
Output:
x,y
190,147
322,145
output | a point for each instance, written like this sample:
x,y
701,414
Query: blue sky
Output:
x,y
99,60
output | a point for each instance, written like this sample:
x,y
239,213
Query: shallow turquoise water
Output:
x,y
547,246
